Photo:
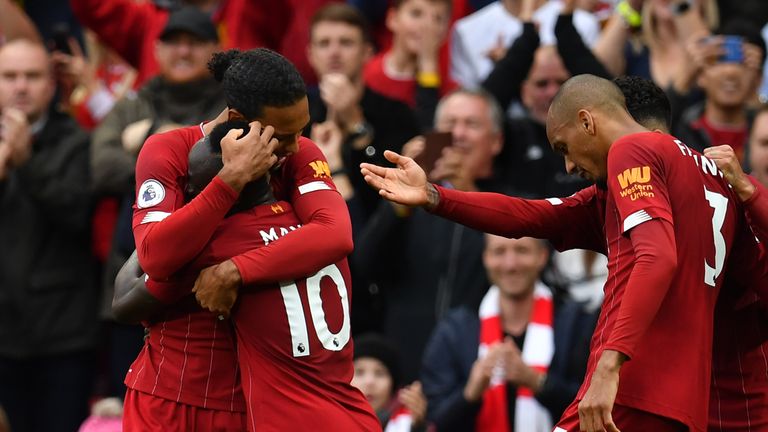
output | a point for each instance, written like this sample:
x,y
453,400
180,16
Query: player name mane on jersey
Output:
x,y
276,232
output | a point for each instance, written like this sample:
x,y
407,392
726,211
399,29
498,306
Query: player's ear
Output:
x,y
586,122
234,114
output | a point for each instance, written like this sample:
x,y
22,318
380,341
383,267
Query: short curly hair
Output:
x,y
257,78
646,102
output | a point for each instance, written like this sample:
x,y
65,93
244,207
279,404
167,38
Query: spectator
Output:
x,y
530,345
425,265
132,28
377,375
729,84
532,74
758,146
48,327
184,93
409,70
369,122
481,39
93,83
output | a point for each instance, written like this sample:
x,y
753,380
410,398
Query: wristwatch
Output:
x,y
681,7
360,135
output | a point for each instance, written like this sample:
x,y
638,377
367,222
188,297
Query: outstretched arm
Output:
x,y
494,213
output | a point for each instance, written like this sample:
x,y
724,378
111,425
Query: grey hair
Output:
x,y
494,110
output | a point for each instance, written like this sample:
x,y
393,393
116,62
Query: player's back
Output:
x,y
656,176
295,351
190,355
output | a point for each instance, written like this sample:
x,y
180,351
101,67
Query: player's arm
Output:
x,y
167,238
138,298
407,184
646,216
132,302
325,237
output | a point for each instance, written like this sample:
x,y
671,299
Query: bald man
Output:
x,y
650,211
48,298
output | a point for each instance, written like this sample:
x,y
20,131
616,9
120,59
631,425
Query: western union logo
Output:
x,y
321,169
634,175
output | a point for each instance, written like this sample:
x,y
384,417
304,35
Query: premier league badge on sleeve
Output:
x,y
151,193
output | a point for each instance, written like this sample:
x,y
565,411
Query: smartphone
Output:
x,y
60,35
732,50
434,143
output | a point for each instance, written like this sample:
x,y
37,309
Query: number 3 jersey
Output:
x,y
654,176
651,176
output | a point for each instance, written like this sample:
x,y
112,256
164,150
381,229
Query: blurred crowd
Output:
x,y
463,86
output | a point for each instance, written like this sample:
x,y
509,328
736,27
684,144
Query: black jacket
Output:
x,y
48,300
452,350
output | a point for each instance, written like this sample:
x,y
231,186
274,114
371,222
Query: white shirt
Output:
x,y
476,34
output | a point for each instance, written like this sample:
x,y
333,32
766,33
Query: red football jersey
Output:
x,y
189,356
295,349
739,394
650,176
303,178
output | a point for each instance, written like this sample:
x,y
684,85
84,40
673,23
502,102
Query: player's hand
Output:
x,y
216,287
249,157
729,164
412,397
405,184
596,406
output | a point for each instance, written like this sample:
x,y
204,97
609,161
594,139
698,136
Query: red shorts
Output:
x,y
143,412
627,420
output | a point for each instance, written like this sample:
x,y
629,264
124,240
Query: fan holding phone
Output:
x,y
467,137
728,71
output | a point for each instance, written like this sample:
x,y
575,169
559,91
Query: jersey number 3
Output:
x,y
296,317
720,204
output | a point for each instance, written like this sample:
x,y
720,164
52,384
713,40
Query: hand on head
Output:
x,y
249,157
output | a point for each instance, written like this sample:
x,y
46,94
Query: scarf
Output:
x,y
400,420
537,352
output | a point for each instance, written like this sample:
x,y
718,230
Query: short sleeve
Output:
x,y
637,181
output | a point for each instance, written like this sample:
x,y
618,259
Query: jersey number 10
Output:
x,y
296,317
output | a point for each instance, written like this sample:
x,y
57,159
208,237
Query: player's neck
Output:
x,y
623,126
